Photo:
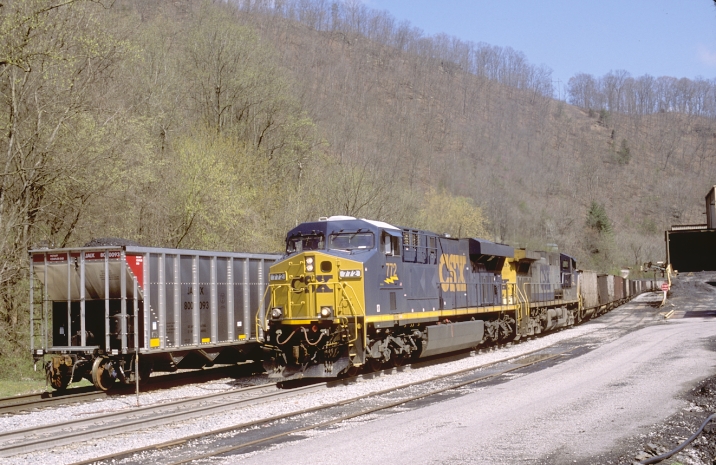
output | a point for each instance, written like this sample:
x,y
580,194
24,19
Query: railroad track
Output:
x,y
132,419
48,399
231,440
82,394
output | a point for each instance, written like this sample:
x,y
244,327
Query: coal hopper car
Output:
x,y
115,313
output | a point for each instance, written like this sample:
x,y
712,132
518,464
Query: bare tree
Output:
x,y
53,58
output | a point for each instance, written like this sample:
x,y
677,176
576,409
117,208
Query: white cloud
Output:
x,y
706,56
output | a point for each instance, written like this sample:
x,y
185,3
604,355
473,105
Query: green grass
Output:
x,y
17,376
9,388
30,385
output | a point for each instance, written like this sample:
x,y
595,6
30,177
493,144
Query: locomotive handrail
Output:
x,y
523,294
261,324
345,286
312,304
522,299
580,305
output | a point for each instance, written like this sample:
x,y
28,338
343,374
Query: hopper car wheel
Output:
x,y
102,373
59,379
60,383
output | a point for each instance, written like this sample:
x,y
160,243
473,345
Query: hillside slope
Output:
x,y
534,163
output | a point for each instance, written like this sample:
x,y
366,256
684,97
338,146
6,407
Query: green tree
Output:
x,y
221,148
598,220
234,81
599,239
454,215
210,194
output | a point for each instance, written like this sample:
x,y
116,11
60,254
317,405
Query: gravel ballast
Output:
x,y
91,449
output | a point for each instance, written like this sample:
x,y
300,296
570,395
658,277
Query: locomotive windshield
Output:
x,y
348,242
301,243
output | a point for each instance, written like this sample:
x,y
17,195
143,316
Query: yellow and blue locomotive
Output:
x,y
353,292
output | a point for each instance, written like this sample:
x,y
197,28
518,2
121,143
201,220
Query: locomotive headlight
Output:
x,y
309,263
276,313
326,312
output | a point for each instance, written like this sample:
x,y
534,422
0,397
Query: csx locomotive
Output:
x,y
352,293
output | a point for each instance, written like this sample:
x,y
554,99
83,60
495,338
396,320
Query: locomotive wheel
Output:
x,y
397,360
102,373
374,364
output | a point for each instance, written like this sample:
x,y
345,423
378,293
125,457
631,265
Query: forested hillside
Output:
x,y
219,125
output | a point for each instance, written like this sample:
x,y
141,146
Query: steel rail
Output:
x,y
371,410
100,426
340,403
34,401
52,398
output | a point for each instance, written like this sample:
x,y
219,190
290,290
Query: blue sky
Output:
x,y
657,37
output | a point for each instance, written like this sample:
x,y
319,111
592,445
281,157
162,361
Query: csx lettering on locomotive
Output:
x,y
451,271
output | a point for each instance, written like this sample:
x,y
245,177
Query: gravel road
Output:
x,y
578,411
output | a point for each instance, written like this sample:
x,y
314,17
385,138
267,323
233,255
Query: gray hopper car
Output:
x,y
120,312
600,293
